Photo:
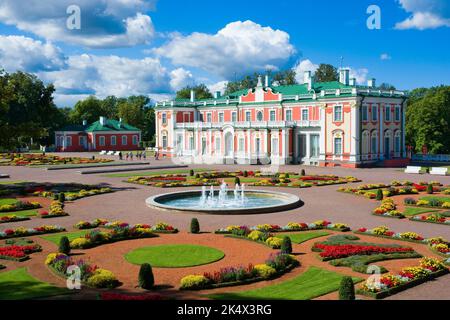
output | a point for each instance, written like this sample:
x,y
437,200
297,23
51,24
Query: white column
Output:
x,y
354,138
381,119
323,137
403,146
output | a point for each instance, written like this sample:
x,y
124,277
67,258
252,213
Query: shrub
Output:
x,y
245,173
286,245
191,173
430,189
80,243
62,197
274,242
303,173
64,245
195,226
146,279
256,235
347,289
194,282
380,195
237,181
102,278
265,271
410,201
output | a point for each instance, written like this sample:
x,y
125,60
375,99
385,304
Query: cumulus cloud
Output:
x,y
218,87
240,47
103,23
110,75
302,66
425,14
180,78
22,53
359,74
385,56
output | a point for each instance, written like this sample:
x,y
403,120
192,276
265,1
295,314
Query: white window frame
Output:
x,y
135,140
209,117
126,140
258,113
340,146
102,141
68,141
387,113
164,141
218,143
374,116
248,116
241,144
113,140
233,116
365,113
274,113
305,111
164,118
340,113
221,117
398,111
288,111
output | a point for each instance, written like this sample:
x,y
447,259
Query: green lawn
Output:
x,y
152,173
313,283
12,182
412,211
174,256
24,213
303,236
18,284
71,235
440,198
7,201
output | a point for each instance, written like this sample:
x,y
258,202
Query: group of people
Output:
x,y
130,155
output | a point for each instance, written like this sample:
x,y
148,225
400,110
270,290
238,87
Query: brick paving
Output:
x,y
325,202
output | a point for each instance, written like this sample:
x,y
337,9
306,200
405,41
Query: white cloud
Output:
x,y
240,47
180,78
218,87
301,67
425,14
359,74
22,53
103,23
385,56
110,75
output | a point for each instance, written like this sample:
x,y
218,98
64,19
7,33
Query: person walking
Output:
x,y
127,155
131,155
120,155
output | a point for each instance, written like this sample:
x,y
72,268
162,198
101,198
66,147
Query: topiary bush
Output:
x,y
237,181
430,189
195,226
303,173
64,245
146,279
380,195
62,197
286,245
347,289
245,173
191,173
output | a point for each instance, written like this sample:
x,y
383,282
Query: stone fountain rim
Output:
x,y
293,202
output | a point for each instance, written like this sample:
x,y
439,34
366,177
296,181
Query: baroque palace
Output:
x,y
335,123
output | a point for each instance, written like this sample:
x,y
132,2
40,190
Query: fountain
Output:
x,y
225,201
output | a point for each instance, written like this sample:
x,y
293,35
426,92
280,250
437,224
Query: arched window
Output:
x,y
259,116
135,140
365,144
397,142
338,143
124,140
164,118
374,143
113,140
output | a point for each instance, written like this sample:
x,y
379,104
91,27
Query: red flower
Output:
x,y
362,229
9,232
389,233
346,250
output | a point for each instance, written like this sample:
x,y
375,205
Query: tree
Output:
x,y
347,289
64,245
380,195
201,92
89,109
195,226
386,86
285,78
326,73
286,245
428,119
146,280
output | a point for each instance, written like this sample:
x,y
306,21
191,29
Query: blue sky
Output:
x,y
156,47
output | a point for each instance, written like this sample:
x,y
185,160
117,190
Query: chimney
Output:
x,y
266,80
192,95
120,122
102,121
353,82
371,83
217,94
308,79
344,76
84,123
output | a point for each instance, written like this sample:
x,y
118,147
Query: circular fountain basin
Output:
x,y
256,201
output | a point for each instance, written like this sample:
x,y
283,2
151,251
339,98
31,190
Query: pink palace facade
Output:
x,y
331,124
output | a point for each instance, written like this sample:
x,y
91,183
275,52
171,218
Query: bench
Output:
x,y
412,169
439,171
117,153
110,153
102,152
4,175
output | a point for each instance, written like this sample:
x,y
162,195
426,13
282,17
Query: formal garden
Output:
x,y
41,159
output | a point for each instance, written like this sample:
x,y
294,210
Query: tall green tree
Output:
x,y
201,92
386,86
89,109
428,119
326,73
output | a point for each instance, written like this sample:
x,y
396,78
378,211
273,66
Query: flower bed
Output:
x,y
75,195
390,284
384,232
284,180
56,210
24,232
18,251
19,206
31,159
290,227
388,209
160,227
90,275
432,218
275,266
12,218
389,190
433,203
96,238
440,246
82,225
337,251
